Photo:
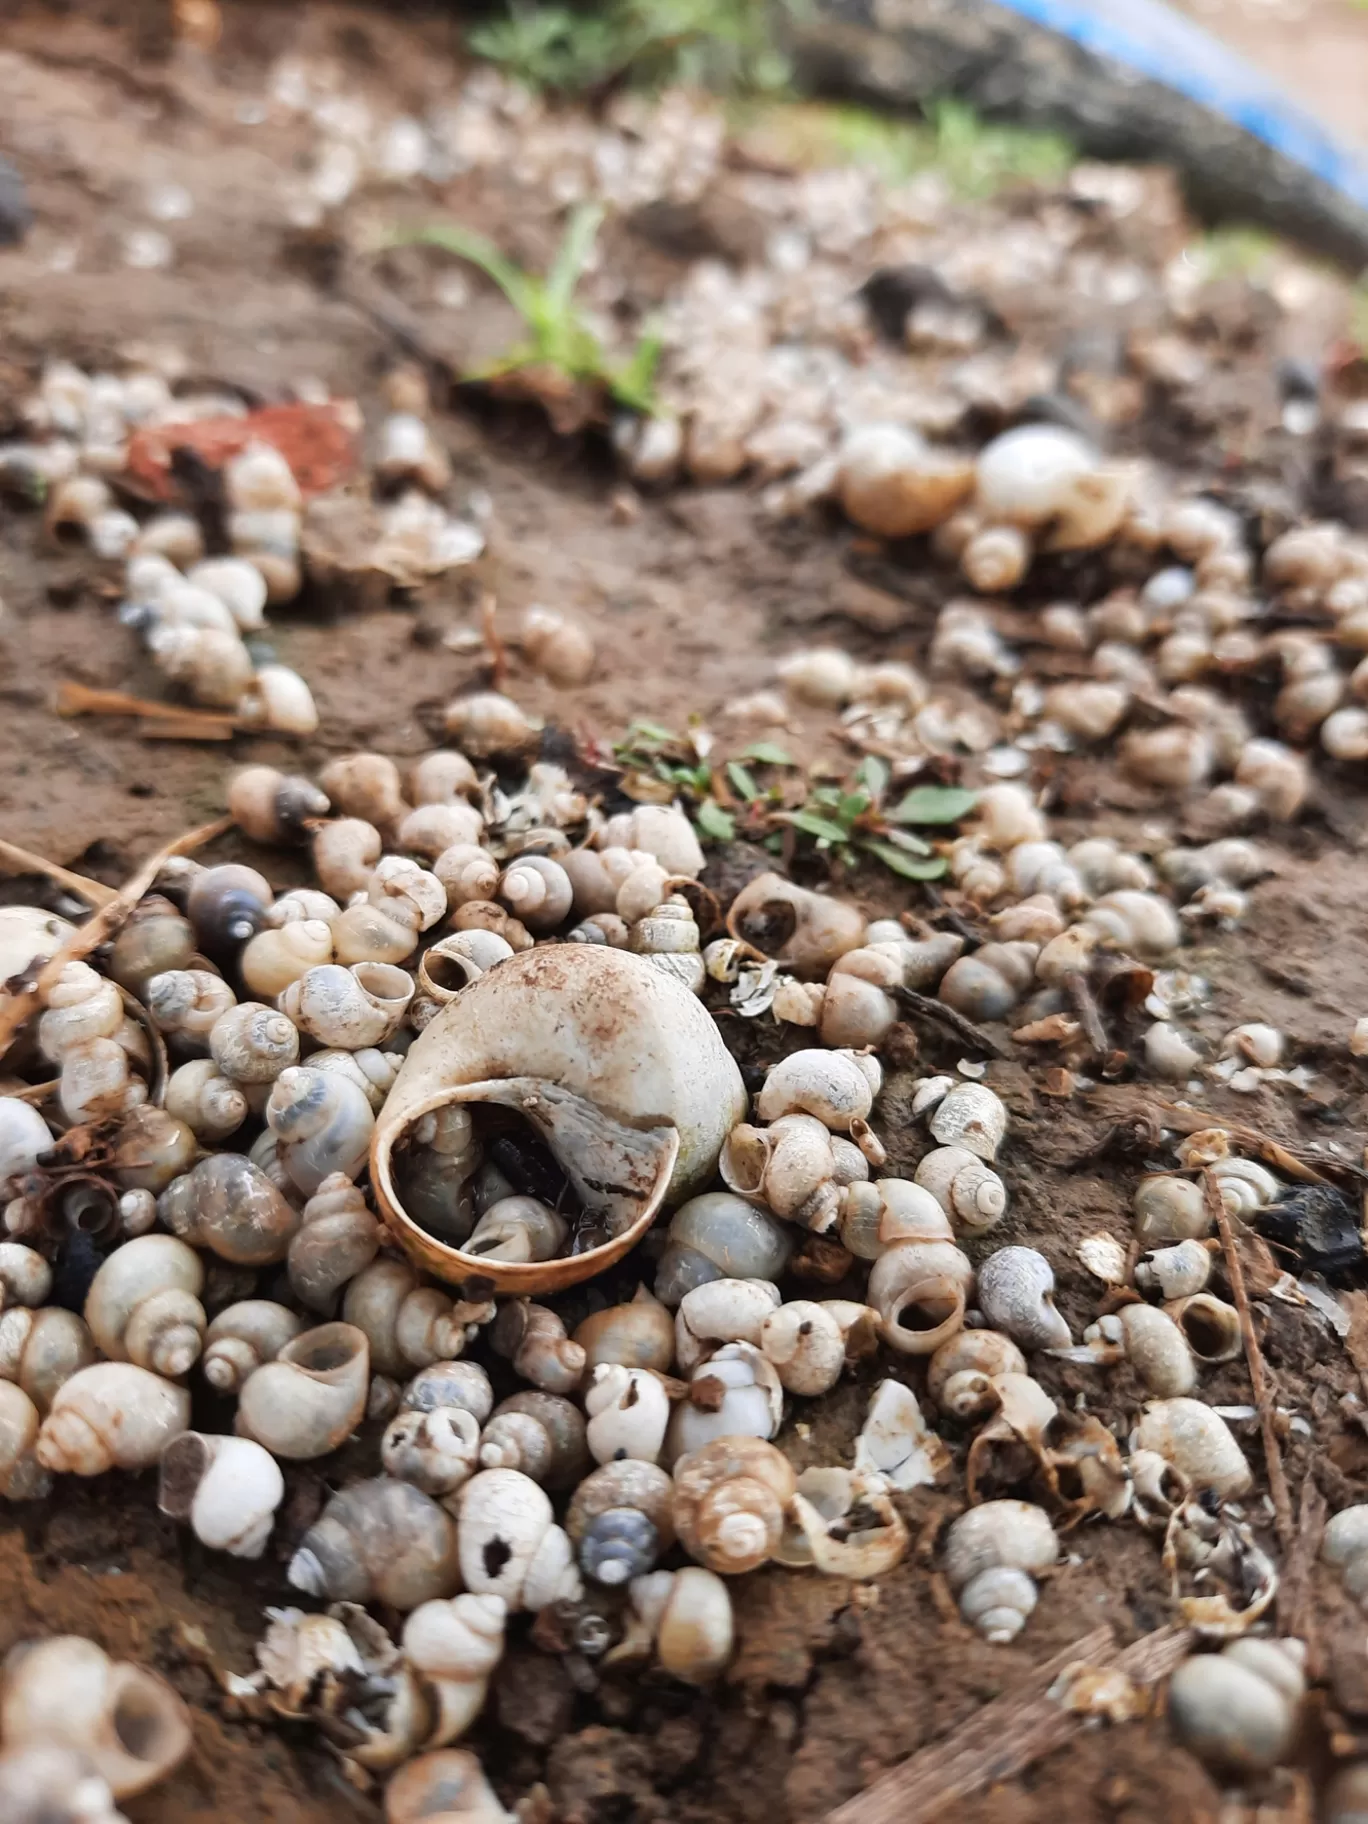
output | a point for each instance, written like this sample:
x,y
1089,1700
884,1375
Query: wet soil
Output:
x,y
690,597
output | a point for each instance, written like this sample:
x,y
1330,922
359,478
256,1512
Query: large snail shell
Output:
x,y
379,1541
618,1067
111,1415
311,1397
143,1305
1198,1443
128,1723
230,1207
729,1503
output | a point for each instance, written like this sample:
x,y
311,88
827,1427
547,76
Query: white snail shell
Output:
x,y
1237,1710
1170,1209
447,1786
972,1116
488,723
992,1556
244,1335
227,1489
752,1403
823,928
252,1043
323,1122
23,1136
1176,1271
143,1305
806,1344
919,1289
510,1545
311,1397
837,1087
438,1451
39,1350
1196,1440
961,1373
721,1311
628,1411
352,1008
112,1415
688,1613
455,1644
211,1106
1345,1545
1157,1350
25,1276
966,1188
790,1165
23,1476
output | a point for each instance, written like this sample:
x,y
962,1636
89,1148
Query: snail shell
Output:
x,y
407,1325
722,1311
919,1289
227,904
447,1786
589,1045
23,1476
533,1338
960,1375
537,890
345,852
688,1614
660,830
488,723
430,830
637,1335
252,1043
965,1187
128,1724
455,961
1210,1326
323,1123
970,1116
24,1136
791,1165
352,1008
729,1503
311,1397
279,955
80,1005
720,1236
372,1071
806,1344
230,1207
274,807
1178,1271
467,872
1345,1544
40,1350
988,984
558,647
436,1451
338,1238
735,1393
628,1411
837,1087
157,938
461,1384
441,777
210,1105
243,1336
1169,1209
1016,1296
226,1489
143,1305
510,1545
47,1784
365,786
379,1541
1238,1710
1199,1444
620,1520
187,1003
25,1277
541,1434
454,1645
1157,1350
112,1415
518,1228
803,930
992,1556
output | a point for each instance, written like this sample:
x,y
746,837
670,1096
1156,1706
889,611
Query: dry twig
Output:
x,y
964,1030
17,1009
1294,1587
1185,1120
22,861
493,639
1258,1380
163,721
1083,1004
1006,1736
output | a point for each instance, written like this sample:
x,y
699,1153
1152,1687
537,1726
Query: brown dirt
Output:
x,y
691,597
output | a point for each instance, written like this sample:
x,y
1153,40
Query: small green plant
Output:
x,y
723,43
557,335
851,819
1233,253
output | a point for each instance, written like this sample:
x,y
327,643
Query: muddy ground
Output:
x,y
691,596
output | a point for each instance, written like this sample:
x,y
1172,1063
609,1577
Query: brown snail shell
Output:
x,y
730,1498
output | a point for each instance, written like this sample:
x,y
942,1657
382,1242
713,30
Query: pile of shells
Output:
x,y
351,1156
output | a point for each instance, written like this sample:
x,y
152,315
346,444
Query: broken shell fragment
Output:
x,y
896,1443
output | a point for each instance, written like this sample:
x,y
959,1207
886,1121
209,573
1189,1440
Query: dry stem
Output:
x,y
937,1011
169,721
1081,999
24,862
1258,1380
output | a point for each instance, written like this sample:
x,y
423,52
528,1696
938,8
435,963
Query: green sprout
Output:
x,y
558,337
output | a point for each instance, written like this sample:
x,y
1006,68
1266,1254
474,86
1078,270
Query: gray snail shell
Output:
x,y
227,905
379,1541
564,1457
463,1384
620,1520
230,1207
1016,1295
721,1236
155,939
1238,1710
323,1122
337,1239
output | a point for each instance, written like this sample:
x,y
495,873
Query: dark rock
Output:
x,y
16,212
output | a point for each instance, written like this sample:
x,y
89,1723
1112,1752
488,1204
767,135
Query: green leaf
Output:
x,y
766,753
567,269
935,804
907,842
647,731
852,805
521,291
742,781
714,822
873,773
911,867
813,825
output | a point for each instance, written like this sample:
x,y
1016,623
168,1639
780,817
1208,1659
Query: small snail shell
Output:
x,y
855,1007
379,1541
81,1005
436,1451
112,1415
734,1394
447,1786
260,480
806,1344
143,1305
210,1105
537,890
227,904
518,1228
25,1277
213,665
467,872
971,1116
64,1691
722,1311
1175,1272
24,1136
789,1164
996,558
628,1411
487,724
1016,1296
365,786
1196,1440
992,1556
807,931
97,1081
345,852
40,1350
1237,1710
510,1545
337,1239
238,584
720,1236
1157,1350
558,647
1211,1327
370,933
311,1397
824,676
406,1325
895,485
541,1434
729,1502
533,1338
1345,1545
688,1613
484,915
1176,757
960,1375
323,1123
597,876
1141,923
278,698
621,1520
226,1489
230,1207
187,1003
299,903
243,1336
353,1009
431,830
1279,777
274,807
462,1384
155,939
1006,815
23,1475
276,957
252,1043
668,939
837,1087
660,830
455,1644
966,1189
441,777
637,1335
1245,1185
919,1289
372,1071
1169,1209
